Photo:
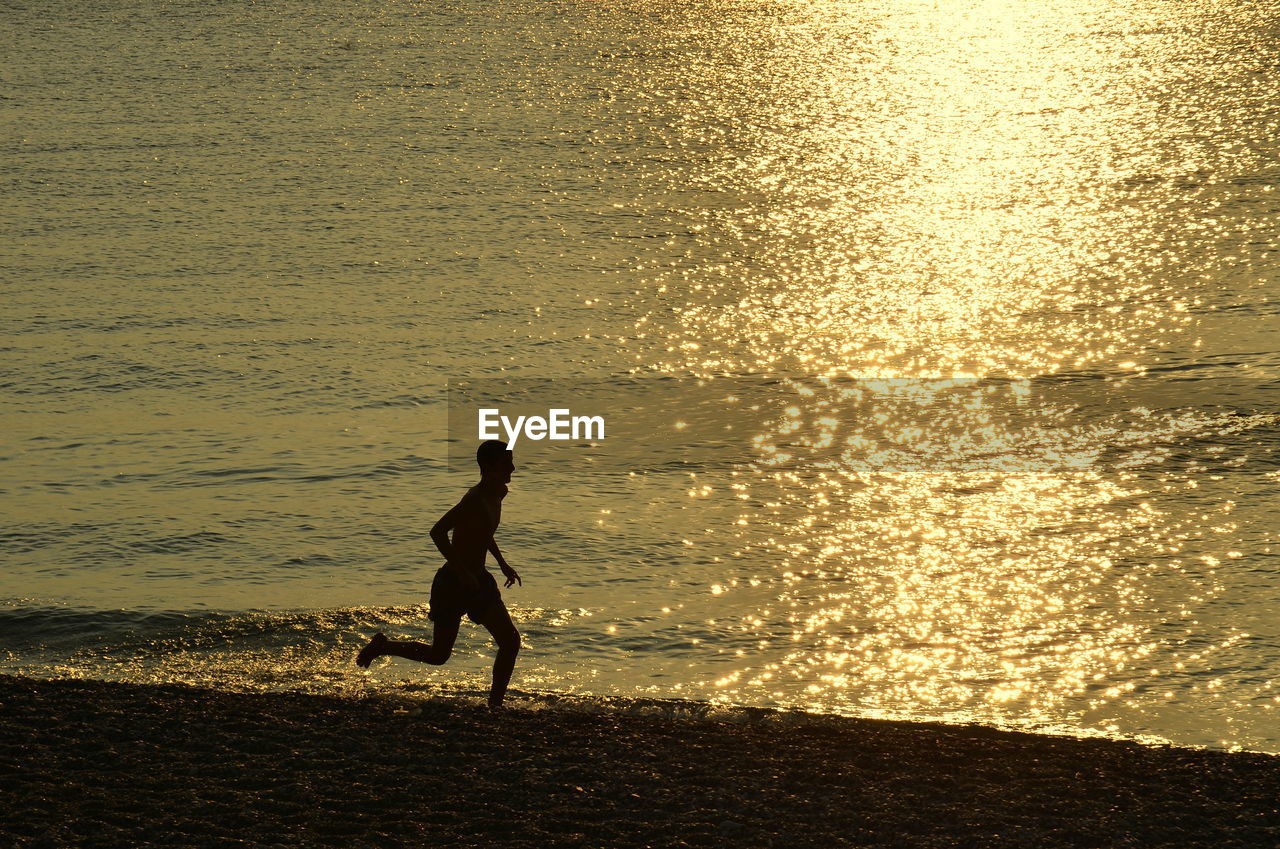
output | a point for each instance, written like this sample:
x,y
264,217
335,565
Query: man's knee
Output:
x,y
509,641
439,656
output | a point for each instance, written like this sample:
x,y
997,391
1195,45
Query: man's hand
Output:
x,y
512,576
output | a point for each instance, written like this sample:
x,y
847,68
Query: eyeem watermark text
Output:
x,y
558,425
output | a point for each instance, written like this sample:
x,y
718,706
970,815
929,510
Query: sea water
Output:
x,y
936,343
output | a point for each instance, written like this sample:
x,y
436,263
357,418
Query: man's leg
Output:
x,y
436,652
498,622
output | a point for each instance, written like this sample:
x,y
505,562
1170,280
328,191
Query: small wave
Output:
x,y
180,544
299,473
28,628
17,542
399,401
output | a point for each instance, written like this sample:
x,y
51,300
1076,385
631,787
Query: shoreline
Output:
x,y
106,764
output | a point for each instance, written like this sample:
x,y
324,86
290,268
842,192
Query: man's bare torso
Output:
x,y
480,514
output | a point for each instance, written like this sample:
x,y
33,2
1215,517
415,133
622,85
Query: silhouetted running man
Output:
x,y
463,585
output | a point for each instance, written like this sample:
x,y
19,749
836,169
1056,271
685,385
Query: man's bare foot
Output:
x,y
374,650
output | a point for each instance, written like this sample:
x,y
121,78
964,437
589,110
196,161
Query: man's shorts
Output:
x,y
449,600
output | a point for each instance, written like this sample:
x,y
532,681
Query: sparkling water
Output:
x,y
937,343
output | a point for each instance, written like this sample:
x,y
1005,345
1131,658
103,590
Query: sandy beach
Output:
x,y
97,764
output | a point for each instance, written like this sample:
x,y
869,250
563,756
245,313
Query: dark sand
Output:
x,y
94,764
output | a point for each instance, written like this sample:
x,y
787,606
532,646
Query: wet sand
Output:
x,y
93,764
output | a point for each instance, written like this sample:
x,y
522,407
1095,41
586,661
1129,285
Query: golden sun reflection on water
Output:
x,y
1011,578
951,190
938,191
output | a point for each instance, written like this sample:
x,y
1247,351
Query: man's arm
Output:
x,y
440,530
493,549
512,576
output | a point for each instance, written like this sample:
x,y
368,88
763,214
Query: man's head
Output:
x,y
495,461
